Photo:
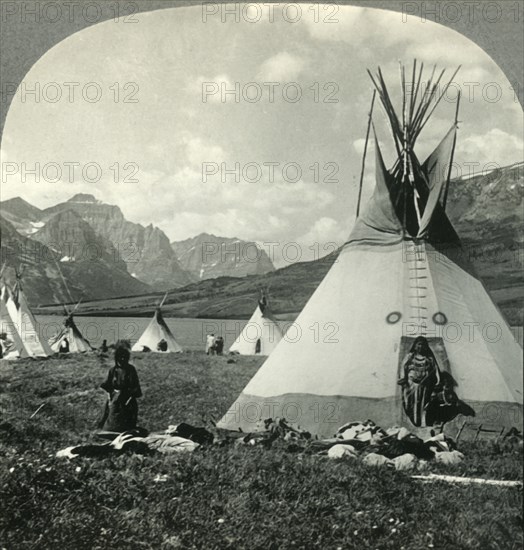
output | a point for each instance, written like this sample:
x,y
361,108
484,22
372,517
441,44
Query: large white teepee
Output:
x,y
156,331
402,274
261,334
70,332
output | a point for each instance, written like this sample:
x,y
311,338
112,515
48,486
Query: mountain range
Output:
x,y
100,254
208,257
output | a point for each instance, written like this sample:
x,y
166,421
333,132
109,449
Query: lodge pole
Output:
x,y
370,118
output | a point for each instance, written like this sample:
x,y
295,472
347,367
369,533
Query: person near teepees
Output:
x,y
64,346
262,302
219,345
421,376
210,344
6,345
123,388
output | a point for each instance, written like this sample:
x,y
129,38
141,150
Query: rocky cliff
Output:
x,y
49,276
145,250
208,257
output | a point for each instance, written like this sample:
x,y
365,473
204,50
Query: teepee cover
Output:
x,y
12,345
26,325
77,343
156,331
260,335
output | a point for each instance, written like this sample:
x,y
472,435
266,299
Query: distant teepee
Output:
x,y
261,334
402,283
157,336
71,337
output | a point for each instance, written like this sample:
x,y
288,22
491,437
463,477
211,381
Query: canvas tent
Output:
x,y
403,273
260,335
157,331
23,338
34,344
71,333
12,345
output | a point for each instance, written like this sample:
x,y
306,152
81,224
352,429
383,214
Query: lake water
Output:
x,y
189,333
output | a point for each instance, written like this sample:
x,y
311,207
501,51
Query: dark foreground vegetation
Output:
x,y
218,497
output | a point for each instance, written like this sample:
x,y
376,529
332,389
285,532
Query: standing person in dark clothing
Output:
x,y
262,302
219,345
123,388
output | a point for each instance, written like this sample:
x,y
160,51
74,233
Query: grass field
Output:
x,y
218,497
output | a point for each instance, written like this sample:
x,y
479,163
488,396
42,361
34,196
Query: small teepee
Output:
x,y
157,337
70,337
261,334
401,276
20,320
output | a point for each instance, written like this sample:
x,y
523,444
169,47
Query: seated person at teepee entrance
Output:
x,y
123,388
421,376
64,346
162,345
6,345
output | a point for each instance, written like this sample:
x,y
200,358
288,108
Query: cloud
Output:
x,y
496,146
281,67
325,236
210,89
440,46
359,145
198,152
324,230
190,204
358,25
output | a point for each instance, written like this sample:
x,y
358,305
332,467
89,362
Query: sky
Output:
x,y
138,114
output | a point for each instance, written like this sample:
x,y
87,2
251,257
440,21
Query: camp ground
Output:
x,y
335,170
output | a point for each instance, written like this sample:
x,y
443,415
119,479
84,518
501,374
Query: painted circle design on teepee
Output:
x,y
393,317
440,318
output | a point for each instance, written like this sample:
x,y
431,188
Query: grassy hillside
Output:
x,y
218,497
223,298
